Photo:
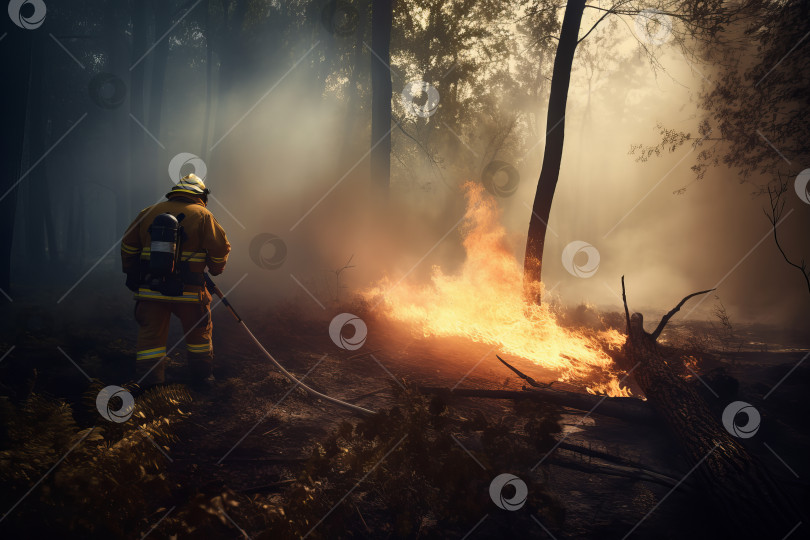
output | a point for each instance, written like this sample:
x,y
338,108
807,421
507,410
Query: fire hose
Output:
x,y
211,286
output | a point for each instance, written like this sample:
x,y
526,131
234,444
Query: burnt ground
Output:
x,y
250,436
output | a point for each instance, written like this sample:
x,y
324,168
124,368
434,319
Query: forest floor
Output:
x,y
242,445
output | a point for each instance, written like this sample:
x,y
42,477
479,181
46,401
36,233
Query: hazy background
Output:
x,y
279,143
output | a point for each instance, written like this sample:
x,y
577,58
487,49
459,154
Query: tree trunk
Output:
x,y
160,57
731,478
137,137
381,20
350,122
15,57
209,77
552,156
37,197
118,120
230,63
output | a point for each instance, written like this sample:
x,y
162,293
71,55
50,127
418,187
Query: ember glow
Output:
x,y
485,303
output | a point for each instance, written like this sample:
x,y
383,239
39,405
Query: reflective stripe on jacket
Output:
x,y
205,245
145,293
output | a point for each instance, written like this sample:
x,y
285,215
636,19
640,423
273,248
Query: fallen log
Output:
x,y
750,503
630,409
619,466
621,471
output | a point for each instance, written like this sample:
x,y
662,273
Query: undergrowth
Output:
x,y
419,469
406,472
110,475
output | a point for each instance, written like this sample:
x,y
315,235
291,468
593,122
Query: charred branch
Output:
x,y
777,204
524,376
634,473
629,409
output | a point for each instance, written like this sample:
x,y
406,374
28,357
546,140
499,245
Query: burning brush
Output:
x,y
485,303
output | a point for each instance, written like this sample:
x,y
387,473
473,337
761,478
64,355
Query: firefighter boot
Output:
x,y
154,373
196,321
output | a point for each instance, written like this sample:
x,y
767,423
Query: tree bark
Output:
x,y
750,502
552,155
381,21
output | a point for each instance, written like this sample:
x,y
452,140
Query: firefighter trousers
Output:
x,y
153,332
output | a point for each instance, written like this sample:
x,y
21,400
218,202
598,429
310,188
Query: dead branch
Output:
x,y
626,311
337,273
598,454
635,473
628,409
777,208
673,311
524,376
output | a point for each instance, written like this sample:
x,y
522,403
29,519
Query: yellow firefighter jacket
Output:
x,y
204,244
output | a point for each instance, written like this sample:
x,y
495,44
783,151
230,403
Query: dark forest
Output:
x,y
405,269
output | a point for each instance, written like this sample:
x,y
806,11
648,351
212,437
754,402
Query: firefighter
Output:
x,y
164,254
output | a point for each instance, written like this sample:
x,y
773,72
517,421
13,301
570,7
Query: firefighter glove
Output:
x,y
133,281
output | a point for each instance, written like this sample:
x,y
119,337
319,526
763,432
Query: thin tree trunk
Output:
x,y
229,102
552,156
15,57
35,241
381,20
117,45
350,123
209,77
137,138
230,63
160,58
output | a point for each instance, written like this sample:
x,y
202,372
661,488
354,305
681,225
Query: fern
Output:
x,y
108,483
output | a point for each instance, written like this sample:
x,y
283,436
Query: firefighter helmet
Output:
x,y
191,184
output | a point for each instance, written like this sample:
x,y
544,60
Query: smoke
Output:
x,y
289,170
291,175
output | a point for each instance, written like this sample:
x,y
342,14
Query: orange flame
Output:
x,y
485,303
